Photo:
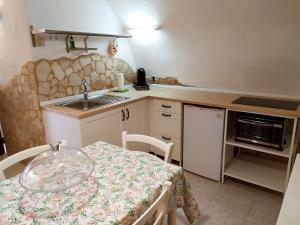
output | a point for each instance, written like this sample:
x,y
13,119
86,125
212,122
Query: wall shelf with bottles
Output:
x,y
38,37
260,165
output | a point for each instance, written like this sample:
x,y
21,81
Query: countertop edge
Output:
x,y
183,99
84,114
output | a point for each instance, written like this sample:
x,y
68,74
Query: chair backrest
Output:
x,y
167,148
11,160
160,206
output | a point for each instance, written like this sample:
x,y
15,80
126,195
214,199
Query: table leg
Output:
x,y
172,217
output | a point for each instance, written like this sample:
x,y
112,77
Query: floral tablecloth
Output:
x,y
128,182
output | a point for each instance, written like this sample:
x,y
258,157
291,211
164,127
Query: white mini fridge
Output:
x,y
203,141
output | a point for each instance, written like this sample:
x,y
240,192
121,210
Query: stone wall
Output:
x,y
42,80
20,111
62,77
167,81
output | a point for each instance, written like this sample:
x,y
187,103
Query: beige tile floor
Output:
x,y
232,203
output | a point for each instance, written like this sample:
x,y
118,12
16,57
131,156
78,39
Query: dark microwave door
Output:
x,y
256,131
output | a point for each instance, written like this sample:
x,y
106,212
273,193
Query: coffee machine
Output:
x,y
141,84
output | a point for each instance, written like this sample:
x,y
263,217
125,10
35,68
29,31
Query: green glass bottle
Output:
x,y
72,42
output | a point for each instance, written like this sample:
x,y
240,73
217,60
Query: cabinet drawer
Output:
x,y
177,145
166,123
166,106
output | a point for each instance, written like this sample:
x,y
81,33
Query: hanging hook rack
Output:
x,y
67,43
85,44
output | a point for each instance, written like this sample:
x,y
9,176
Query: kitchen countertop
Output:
x,y
184,95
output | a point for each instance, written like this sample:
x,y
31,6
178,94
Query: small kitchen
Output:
x,y
179,115
199,100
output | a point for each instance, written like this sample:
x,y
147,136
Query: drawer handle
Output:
x,y
166,138
123,115
166,106
166,115
127,114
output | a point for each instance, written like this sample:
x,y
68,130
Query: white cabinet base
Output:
x,y
259,171
107,126
61,127
166,125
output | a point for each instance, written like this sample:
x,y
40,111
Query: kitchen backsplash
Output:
x,y
45,79
62,77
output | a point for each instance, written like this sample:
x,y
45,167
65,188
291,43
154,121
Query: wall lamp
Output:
x,y
143,29
144,35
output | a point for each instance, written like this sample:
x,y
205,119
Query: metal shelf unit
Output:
x,y
265,172
37,36
284,153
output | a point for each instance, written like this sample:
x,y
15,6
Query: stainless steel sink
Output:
x,y
92,103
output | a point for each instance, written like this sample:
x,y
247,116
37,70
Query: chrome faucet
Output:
x,y
85,90
56,147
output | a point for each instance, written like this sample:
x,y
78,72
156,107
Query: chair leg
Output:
x,y
172,217
124,139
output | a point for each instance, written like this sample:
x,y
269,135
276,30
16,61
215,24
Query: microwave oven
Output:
x,y
262,130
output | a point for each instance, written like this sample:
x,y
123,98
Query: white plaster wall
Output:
x,y
15,41
241,45
76,15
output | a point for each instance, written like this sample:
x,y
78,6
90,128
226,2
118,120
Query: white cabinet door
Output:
x,y
137,122
107,127
62,127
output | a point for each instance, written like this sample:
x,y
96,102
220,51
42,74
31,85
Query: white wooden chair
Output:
x,y
11,160
160,206
167,148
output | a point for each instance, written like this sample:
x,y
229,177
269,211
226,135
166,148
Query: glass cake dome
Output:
x,y
57,169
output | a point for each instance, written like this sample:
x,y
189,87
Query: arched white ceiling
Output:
x,y
235,44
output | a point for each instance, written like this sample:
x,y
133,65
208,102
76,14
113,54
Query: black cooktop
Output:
x,y
269,103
